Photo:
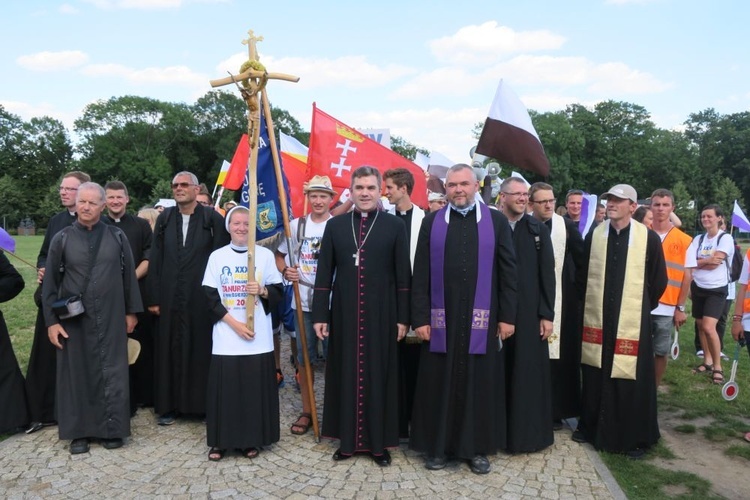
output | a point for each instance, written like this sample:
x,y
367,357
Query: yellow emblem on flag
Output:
x,y
345,131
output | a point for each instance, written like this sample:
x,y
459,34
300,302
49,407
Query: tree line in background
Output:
x,y
144,142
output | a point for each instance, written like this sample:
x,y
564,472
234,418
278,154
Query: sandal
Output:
x,y
279,378
251,452
299,428
702,368
717,377
216,454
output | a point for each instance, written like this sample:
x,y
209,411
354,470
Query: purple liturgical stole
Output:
x,y
480,322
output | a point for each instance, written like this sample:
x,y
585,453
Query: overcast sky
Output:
x,y
425,69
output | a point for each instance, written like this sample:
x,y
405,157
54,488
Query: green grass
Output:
x,y
20,313
640,479
742,450
686,428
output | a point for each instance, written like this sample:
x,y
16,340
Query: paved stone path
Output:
x,y
171,462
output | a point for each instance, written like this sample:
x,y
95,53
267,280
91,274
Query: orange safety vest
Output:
x,y
746,305
675,247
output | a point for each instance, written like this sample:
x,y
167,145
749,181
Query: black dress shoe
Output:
x,y
557,425
435,463
80,445
383,460
338,456
112,444
636,454
37,426
479,465
578,436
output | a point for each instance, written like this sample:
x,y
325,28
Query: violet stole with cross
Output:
x,y
480,318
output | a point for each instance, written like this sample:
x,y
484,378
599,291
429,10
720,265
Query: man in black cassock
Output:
x,y
624,263
184,237
565,367
368,313
399,183
463,306
93,260
14,413
41,372
529,399
139,236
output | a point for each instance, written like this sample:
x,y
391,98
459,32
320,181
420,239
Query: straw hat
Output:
x,y
320,183
134,349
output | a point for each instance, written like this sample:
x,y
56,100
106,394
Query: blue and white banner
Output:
x,y
269,220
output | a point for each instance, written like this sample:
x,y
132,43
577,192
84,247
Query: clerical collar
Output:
x,y
237,248
72,214
449,207
365,214
463,211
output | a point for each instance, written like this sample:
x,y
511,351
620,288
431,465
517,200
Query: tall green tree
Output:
x,y
406,148
137,140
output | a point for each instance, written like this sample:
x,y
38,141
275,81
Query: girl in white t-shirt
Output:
x,y
707,259
242,407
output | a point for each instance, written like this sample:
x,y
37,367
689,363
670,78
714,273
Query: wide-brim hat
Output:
x,y
134,350
622,191
320,183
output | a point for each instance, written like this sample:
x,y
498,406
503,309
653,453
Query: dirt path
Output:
x,y
706,459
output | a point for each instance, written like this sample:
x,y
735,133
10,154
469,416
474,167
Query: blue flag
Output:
x,y
270,219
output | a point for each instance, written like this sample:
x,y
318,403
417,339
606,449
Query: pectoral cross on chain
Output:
x,y
355,255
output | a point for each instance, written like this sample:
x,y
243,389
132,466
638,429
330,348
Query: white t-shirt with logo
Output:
x,y
308,256
710,278
227,272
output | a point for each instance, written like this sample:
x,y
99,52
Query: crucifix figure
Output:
x,y
251,82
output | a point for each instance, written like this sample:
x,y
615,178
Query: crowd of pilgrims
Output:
x,y
458,329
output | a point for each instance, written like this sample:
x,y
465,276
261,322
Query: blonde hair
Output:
x,y
150,214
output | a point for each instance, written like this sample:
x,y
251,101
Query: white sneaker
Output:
x,y
724,357
699,353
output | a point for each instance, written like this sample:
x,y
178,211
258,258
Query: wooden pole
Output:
x,y
301,334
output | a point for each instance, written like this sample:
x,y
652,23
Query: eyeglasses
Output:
x,y
520,194
68,189
183,185
551,201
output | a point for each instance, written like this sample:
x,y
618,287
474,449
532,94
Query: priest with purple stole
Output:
x,y
626,276
361,303
463,308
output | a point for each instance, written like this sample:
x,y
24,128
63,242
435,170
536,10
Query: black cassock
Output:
x,y
459,407
528,368
13,411
182,346
566,371
619,415
369,300
140,237
41,372
92,368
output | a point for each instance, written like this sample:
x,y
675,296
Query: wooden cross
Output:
x,y
253,77
253,80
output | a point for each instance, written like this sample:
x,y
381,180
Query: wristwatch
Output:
x,y
681,308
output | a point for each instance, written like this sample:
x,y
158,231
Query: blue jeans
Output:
x,y
312,340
